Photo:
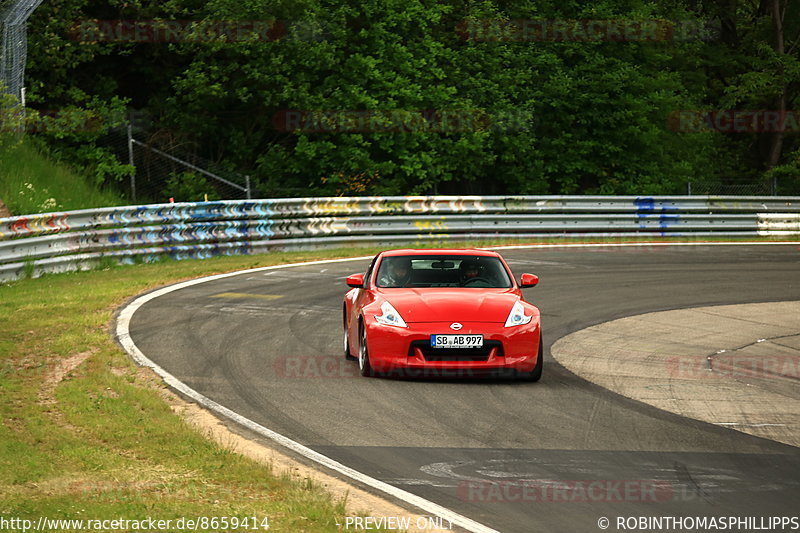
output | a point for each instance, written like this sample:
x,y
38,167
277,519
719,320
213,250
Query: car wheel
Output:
x,y
363,354
347,354
536,373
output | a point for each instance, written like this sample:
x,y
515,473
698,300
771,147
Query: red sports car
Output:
x,y
419,313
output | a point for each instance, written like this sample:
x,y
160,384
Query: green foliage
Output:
x,y
598,110
741,69
74,134
786,176
534,116
12,118
190,187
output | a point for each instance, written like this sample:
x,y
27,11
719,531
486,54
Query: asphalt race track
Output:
x,y
268,346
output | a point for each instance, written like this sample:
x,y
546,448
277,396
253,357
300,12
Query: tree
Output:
x,y
317,97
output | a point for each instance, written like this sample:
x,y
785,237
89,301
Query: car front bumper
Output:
x,y
407,350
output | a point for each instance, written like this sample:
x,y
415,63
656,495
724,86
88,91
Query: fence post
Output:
x,y
131,162
247,184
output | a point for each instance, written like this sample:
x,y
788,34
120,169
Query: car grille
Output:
x,y
456,354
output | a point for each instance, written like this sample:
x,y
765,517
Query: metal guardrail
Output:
x,y
57,242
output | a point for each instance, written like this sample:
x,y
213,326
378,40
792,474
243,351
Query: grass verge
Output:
x,y
32,183
85,434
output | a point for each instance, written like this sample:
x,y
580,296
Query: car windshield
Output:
x,y
469,271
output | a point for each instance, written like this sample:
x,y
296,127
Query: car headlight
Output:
x,y
517,316
391,317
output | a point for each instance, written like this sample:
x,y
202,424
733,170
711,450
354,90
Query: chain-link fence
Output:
x,y
165,170
13,21
719,188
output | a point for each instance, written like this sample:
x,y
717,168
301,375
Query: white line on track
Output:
x,y
640,244
124,337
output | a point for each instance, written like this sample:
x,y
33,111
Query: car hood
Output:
x,y
452,305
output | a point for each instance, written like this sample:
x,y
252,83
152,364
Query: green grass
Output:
x,y
31,183
103,443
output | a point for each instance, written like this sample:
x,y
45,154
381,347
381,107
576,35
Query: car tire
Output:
x,y
536,373
364,365
347,354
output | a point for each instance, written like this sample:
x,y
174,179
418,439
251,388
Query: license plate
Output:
x,y
456,341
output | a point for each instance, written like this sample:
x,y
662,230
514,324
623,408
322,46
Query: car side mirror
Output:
x,y
356,281
528,280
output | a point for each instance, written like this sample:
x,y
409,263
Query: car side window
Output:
x,y
368,274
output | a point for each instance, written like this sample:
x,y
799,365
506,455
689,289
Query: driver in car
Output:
x,y
398,273
469,271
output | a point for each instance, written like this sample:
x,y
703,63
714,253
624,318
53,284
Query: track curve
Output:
x,y
268,346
